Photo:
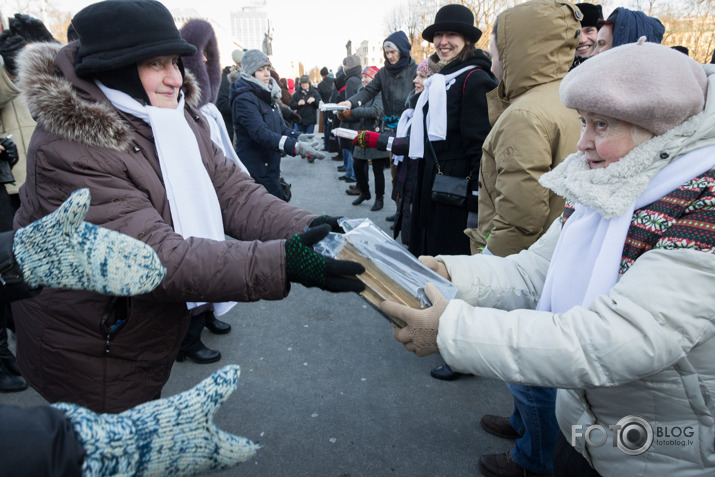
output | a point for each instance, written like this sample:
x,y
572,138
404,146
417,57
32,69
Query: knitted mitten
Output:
x,y
172,436
366,139
305,266
62,251
303,149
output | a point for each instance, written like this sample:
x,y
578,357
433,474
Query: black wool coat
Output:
x,y
438,228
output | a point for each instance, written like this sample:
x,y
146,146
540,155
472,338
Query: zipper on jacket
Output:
x,y
110,331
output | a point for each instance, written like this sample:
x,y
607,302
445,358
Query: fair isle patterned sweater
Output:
x,y
685,218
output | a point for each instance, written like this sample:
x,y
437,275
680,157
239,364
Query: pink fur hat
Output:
x,y
645,84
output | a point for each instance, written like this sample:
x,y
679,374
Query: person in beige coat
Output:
x,y
532,132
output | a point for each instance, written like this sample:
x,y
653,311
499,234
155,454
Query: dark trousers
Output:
x,y
568,462
361,166
8,206
192,340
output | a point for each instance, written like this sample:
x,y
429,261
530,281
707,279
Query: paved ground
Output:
x,y
324,386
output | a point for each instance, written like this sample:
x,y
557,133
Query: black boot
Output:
x,y
200,355
192,347
378,205
9,382
215,325
361,199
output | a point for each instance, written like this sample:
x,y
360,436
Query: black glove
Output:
x,y
10,45
327,219
31,29
9,155
305,266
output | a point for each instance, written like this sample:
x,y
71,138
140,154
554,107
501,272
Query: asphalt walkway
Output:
x,y
324,386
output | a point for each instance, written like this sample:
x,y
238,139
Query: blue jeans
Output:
x,y
304,128
348,163
534,415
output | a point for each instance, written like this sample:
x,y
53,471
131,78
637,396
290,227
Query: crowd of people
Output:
x,y
563,180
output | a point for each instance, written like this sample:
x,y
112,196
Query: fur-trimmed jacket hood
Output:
x,y
107,353
208,75
72,107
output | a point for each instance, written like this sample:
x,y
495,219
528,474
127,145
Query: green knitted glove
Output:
x,y
305,266
172,436
62,251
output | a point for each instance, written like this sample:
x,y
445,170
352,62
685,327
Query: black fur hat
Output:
x,y
118,33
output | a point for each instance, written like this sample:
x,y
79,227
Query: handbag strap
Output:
x,y
434,154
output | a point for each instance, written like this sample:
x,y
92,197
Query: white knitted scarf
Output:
x,y
219,134
403,126
435,92
587,256
194,205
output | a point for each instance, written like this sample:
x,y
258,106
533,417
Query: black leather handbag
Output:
x,y
448,190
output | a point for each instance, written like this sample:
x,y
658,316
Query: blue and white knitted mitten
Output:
x,y
62,251
172,436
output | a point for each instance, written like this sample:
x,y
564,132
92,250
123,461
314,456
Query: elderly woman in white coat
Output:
x,y
614,305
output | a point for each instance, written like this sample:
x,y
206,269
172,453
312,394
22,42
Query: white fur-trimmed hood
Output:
x,y
71,107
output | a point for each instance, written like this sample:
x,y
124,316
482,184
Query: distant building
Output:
x,y
250,25
370,53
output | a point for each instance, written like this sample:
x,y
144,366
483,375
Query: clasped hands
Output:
x,y
420,334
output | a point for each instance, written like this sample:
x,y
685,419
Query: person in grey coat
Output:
x,y
367,118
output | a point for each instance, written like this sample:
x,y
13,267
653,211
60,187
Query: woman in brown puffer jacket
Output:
x,y
115,114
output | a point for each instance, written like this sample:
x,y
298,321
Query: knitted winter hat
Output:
x,y
117,33
200,34
351,61
427,67
591,14
237,55
304,79
370,71
645,84
254,60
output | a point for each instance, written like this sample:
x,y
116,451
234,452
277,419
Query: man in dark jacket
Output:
x,y
305,101
325,88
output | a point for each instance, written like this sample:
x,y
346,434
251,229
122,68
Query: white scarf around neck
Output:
x,y
272,87
403,126
219,134
435,92
194,205
587,257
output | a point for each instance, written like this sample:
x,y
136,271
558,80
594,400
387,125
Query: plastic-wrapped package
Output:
x,y
332,107
344,132
391,272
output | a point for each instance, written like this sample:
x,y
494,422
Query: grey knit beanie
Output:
x,y
237,56
351,61
254,60
645,84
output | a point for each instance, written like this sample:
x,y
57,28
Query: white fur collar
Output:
x,y
611,190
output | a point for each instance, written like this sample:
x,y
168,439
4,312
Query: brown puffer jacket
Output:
x,y
74,346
